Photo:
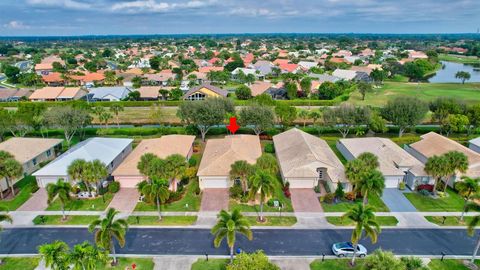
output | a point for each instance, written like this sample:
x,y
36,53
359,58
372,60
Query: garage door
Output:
x,y
303,183
392,182
128,181
44,181
210,182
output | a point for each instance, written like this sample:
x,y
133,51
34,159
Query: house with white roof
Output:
x,y
108,93
475,145
110,151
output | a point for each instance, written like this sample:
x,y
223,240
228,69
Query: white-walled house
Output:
x,y
475,145
110,151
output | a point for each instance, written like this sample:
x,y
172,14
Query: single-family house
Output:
x,y
263,67
57,94
433,144
307,161
474,144
127,173
110,151
115,93
259,87
89,79
307,65
9,95
220,154
30,152
203,91
53,79
245,71
396,164
344,74
162,78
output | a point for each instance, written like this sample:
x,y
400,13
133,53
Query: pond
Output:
x,y
449,69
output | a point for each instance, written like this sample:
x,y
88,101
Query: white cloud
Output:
x,y
16,25
140,6
69,4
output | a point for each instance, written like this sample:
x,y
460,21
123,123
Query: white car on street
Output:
x,y
345,249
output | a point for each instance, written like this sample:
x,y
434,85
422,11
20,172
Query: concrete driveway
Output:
x,y
214,199
396,201
305,200
38,201
125,200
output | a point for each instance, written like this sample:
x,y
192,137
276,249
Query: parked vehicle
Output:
x,y
345,249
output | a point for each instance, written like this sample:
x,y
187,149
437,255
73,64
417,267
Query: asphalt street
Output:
x,y
274,242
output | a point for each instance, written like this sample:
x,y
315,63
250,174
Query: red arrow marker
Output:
x,y
233,127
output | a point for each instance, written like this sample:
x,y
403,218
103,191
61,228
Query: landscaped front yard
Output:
x,y
451,203
126,263
449,221
382,221
97,204
449,265
343,206
211,264
166,220
25,186
189,203
273,221
335,264
57,220
23,263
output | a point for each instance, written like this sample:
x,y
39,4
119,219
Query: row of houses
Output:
x,y
305,160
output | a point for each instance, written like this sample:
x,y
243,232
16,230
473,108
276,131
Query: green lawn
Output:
x,y
25,263
449,264
335,264
273,221
451,203
126,263
382,220
97,204
469,92
449,221
26,186
166,220
190,198
211,264
57,220
373,200
459,58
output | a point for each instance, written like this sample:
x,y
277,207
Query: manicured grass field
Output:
x,y
451,203
459,58
26,186
166,220
468,92
190,202
273,221
449,264
382,220
24,263
335,264
97,204
126,263
211,264
449,221
373,200
57,220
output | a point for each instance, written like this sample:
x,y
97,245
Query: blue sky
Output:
x,y
85,17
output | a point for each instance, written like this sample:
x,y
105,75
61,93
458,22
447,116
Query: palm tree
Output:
x,y
4,216
228,225
371,182
263,183
55,255
472,224
108,229
97,171
176,165
85,256
369,160
77,171
116,109
467,188
436,166
267,162
11,169
157,191
104,117
242,170
457,161
364,219
61,191
304,114
143,165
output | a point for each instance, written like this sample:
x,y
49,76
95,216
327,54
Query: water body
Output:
x,y
449,69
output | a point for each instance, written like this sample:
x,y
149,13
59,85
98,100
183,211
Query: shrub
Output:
x,y
425,187
329,198
317,189
424,192
184,181
401,185
236,191
175,196
339,193
193,161
114,187
101,190
271,202
351,196
413,263
38,220
190,173
441,194
327,187
269,148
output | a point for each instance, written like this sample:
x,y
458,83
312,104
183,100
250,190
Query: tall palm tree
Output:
x,y
86,256
55,255
467,188
370,161
144,165
371,182
228,225
242,170
11,169
157,191
262,183
61,191
108,229
97,171
365,220
116,109
77,171
4,156
176,167
5,216
267,162
436,166
457,161
472,225
354,169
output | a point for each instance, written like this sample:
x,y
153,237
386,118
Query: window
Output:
x,y
49,152
34,161
196,96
